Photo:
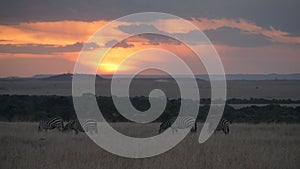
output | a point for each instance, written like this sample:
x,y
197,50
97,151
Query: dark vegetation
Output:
x,y
34,108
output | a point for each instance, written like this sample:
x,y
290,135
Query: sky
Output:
x,y
46,37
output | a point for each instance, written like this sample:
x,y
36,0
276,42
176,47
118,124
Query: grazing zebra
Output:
x,y
51,124
73,125
181,123
223,125
88,126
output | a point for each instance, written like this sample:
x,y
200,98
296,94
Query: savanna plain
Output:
x,y
248,146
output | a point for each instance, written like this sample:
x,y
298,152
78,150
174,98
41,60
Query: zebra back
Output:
x,y
73,125
50,124
223,125
88,126
165,125
179,123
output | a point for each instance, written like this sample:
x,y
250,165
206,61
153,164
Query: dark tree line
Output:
x,y
262,101
34,108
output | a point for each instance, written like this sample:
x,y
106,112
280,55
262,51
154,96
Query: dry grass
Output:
x,y
248,146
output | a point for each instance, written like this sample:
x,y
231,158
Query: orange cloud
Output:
x,y
69,32
62,33
59,33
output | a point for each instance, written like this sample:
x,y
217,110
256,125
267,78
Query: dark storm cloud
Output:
x,y
90,46
236,37
193,37
44,48
152,39
224,35
283,15
122,44
133,29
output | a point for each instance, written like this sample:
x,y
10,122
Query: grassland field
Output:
x,y
259,146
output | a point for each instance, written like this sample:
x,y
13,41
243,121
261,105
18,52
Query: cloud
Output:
x,y
90,46
122,44
44,48
58,33
136,28
236,37
280,14
68,32
247,27
155,39
230,32
151,38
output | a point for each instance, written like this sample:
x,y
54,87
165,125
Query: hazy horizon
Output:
x,y
67,76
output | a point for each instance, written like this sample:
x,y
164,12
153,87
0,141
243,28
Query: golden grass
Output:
x,y
260,146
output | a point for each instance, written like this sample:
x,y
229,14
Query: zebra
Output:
x,y
50,124
88,126
223,125
73,125
181,123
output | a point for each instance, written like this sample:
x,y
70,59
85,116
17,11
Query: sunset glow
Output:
x,y
63,40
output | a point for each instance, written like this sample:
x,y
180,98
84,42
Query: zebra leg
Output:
x,y
76,131
95,131
227,130
62,126
58,128
194,128
174,130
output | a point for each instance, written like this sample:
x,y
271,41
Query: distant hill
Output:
x,y
68,76
42,76
263,77
228,76
61,77
255,77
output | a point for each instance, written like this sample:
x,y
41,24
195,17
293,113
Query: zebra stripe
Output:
x,y
223,125
51,124
88,126
73,125
179,123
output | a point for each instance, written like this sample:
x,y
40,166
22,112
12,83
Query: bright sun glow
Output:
x,y
108,68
